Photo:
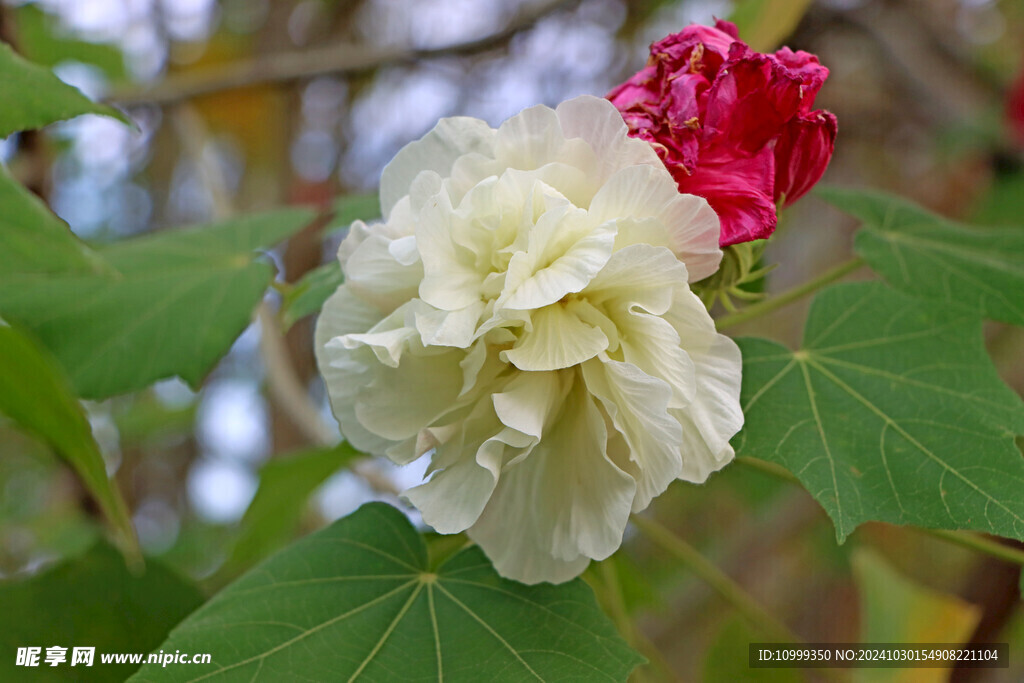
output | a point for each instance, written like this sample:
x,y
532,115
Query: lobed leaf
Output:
x,y
357,601
890,411
970,268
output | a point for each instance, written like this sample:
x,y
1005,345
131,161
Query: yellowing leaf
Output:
x,y
894,609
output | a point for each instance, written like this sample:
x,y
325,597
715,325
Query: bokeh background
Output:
x,y
241,105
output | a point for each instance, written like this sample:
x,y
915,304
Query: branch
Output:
x,y
304,64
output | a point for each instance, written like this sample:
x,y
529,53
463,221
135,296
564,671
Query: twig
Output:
x,y
288,392
305,64
726,588
284,384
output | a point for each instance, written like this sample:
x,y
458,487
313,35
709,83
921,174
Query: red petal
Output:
x,y
802,154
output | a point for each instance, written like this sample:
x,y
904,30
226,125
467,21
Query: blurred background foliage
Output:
x,y
241,105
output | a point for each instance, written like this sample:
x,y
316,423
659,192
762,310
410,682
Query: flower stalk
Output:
x,y
726,588
789,296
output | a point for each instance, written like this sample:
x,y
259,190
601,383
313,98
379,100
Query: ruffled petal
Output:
x,y
344,313
638,407
568,500
556,338
436,151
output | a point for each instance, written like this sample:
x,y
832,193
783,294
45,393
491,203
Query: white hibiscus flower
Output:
x,y
523,318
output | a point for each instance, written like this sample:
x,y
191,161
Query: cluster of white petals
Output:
x,y
523,317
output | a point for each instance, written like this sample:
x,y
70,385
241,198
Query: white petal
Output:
x,y
639,275
400,401
555,339
562,504
599,123
653,345
451,279
344,313
714,415
526,402
635,192
563,256
638,406
435,151
378,277
694,232
448,328
453,498
647,205
530,139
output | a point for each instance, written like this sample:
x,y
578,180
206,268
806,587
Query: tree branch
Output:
x,y
305,64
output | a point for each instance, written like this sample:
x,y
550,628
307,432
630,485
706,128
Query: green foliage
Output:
x,y
33,240
286,483
890,411
42,41
310,293
980,270
173,305
35,393
33,97
357,599
91,601
353,207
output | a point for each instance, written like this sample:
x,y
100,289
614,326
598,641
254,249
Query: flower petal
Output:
x,y
344,313
435,151
638,406
598,122
569,502
563,254
686,224
556,338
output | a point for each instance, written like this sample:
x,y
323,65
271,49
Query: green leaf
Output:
x,y
352,207
311,292
91,601
33,240
974,269
890,411
894,609
33,97
41,40
764,24
356,600
177,301
286,482
35,393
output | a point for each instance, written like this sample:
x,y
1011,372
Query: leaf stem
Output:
x,y
790,295
967,539
728,589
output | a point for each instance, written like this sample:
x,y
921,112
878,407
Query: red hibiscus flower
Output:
x,y
732,125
